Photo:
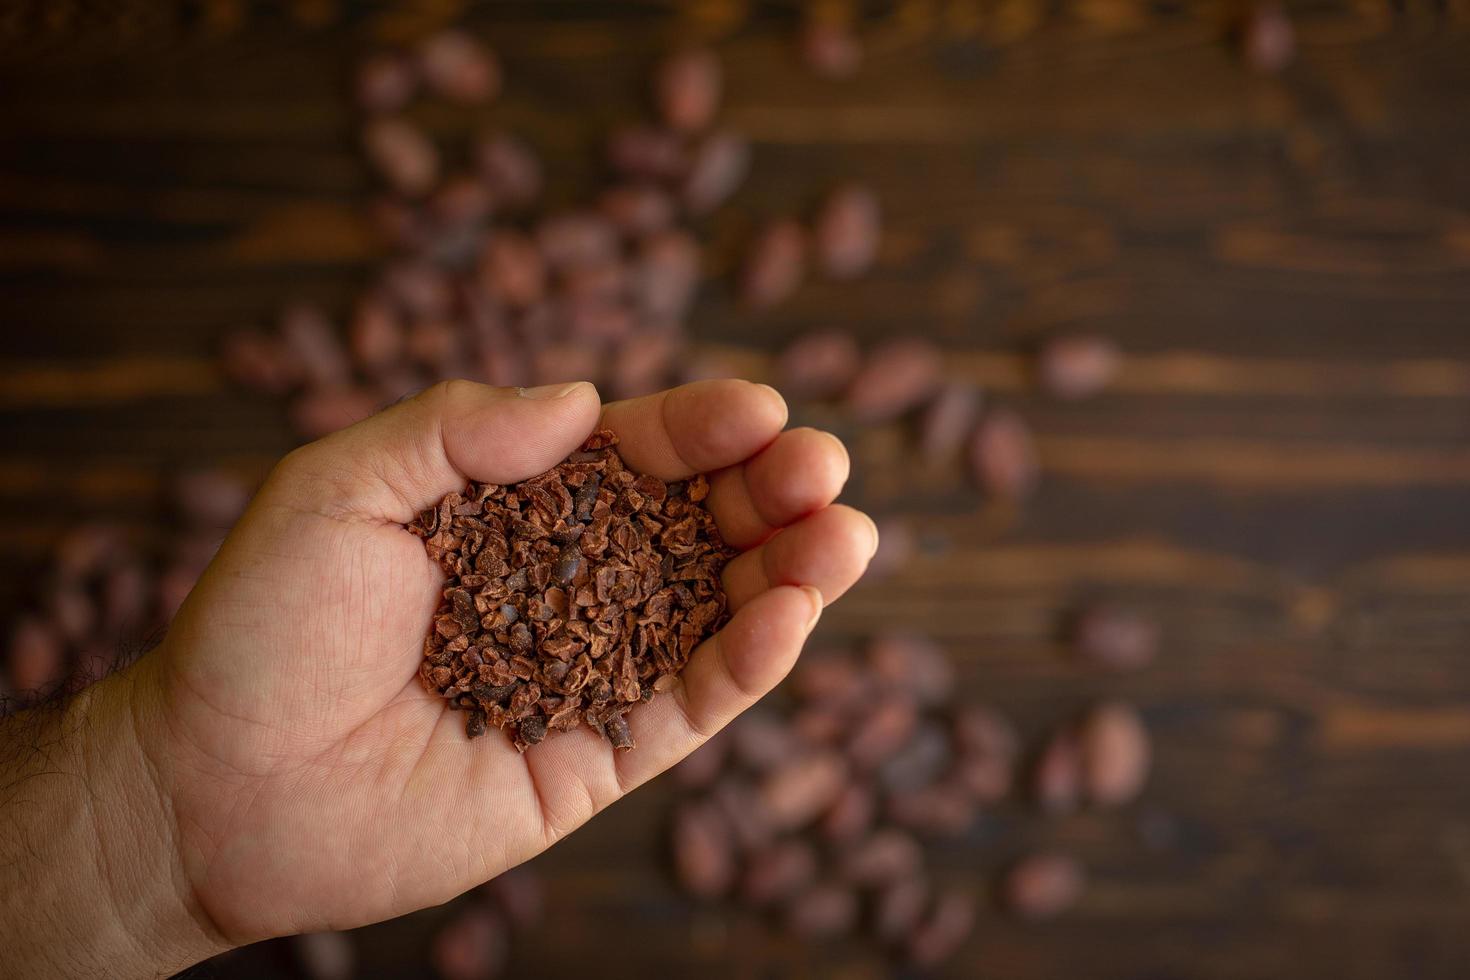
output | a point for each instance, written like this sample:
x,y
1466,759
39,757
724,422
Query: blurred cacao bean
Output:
x,y
699,769
1042,886
899,907
520,895
799,790
822,911
847,231
718,167
1056,779
774,265
850,816
260,362
687,89
898,376
574,238
210,498
386,83
458,67
913,664
375,335
1077,366
647,153
778,872
637,209
1003,455
818,365
509,168
888,855
881,731
831,49
311,341
472,945
1267,38
36,656
512,271
948,420
402,155
704,853
325,955
1115,752
941,933
1115,637
322,411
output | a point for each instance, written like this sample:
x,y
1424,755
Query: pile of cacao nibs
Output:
x,y
570,597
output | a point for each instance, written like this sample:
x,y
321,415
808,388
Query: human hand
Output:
x,y
308,781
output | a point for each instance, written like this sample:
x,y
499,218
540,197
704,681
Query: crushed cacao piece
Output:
x,y
571,596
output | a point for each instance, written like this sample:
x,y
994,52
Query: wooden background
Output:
x,y
1282,473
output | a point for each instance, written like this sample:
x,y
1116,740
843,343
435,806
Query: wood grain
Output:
x,y
1281,473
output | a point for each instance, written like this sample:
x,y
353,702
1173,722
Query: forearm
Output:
x,y
90,881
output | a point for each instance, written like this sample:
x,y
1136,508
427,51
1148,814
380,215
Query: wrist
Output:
x,y
91,882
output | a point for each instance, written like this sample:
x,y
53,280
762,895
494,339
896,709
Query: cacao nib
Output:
x,y
557,622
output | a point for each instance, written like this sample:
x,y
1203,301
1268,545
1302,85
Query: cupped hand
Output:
x,y
311,783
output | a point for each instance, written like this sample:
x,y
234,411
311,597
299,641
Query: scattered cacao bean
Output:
x,y
1115,753
1077,366
778,872
898,376
948,420
1115,637
1042,886
326,955
847,231
402,154
718,167
704,857
1057,776
775,265
386,82
831,49
1267,38
818,365
687,89
472,945
459,68
509,168
822,911
944,930
1003,455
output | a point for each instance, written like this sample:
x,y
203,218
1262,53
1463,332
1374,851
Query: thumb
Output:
x,y
393,464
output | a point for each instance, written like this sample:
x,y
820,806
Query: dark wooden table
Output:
x,y
1282,473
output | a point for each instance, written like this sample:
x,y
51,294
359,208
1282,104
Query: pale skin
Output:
x,y
274,766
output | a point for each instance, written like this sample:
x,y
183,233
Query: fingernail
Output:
x,y
874,528
841,454
545,393
780,399
815,595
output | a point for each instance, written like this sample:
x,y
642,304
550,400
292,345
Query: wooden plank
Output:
x,y
1279,473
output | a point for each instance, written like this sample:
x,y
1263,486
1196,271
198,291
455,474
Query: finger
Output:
x,y
727,673
394,464
800,473
829,551
578,773
696,428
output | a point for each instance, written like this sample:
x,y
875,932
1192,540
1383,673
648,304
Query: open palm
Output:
x,y
314,784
